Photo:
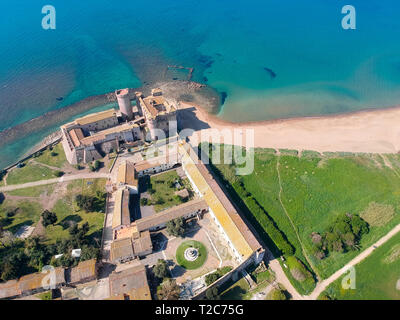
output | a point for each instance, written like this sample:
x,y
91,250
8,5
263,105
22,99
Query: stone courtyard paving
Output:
x,y
217,255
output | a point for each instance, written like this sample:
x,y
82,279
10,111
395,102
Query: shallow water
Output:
x,y
272,59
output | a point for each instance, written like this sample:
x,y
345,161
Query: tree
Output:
x,y
212,294
161,269
169,290
176,227
89,253
85,203
48,218
73,230
278,295
211,278
144,202
59,173
67,260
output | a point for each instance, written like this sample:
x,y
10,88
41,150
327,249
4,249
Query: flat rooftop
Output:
x,y
98,116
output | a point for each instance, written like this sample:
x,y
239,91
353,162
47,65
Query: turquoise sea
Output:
x,y
271,58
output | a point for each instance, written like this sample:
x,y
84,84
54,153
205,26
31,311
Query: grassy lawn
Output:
x,y
164,194
26,213
376,276
315,190
67,212
191,265
237,291
29,212
29,173
33,191
58,158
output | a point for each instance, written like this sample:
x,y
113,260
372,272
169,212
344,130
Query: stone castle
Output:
x,y
93,136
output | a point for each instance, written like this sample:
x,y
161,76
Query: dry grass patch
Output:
x,y
393,255
377,214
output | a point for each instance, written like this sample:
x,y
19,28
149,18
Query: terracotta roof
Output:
x,y
98,116
84,270
127,174
237,231
9,289
169,158
172,213
143,243
37,280
121,249
102,135
76,136
155,105
131,282
121,215
128,232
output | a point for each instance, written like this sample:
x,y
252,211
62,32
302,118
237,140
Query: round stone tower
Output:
x,y
124,103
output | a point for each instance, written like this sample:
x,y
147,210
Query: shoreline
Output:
x,y
363,131
372,130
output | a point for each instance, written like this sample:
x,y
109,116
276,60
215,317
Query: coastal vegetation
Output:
x,y
377,277
52,156
304,194
30,172
61,227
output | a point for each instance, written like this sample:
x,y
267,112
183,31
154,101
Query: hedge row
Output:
x,y
265,220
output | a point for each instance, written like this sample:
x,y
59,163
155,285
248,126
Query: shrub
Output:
x,y
212,277
276,294
212,294
48,218
59,173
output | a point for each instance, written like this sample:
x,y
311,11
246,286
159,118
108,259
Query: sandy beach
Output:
x,y
369,131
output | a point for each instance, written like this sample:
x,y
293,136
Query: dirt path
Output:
x,y
321,286
95,175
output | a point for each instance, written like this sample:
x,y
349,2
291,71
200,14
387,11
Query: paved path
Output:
x,y
321,286
107,232
95,175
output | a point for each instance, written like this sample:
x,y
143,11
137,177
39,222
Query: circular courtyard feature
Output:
x,y
191,254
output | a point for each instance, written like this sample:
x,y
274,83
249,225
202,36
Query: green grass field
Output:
x,y
316,189
33,191
191,265
67,212
377,277
160,184
58,158
26,213
29,173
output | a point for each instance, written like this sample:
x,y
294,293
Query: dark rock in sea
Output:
x,y
205,79
59,98
224,95
271,73
206,61
218,54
